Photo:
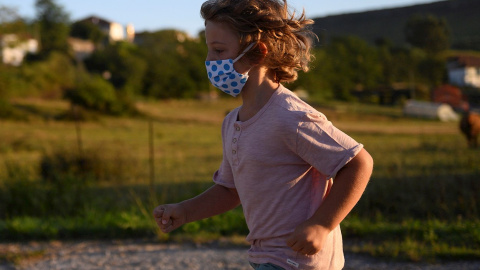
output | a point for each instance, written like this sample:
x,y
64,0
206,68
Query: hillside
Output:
x,y
463,17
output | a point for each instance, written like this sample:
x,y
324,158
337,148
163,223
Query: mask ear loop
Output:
x,y
244,52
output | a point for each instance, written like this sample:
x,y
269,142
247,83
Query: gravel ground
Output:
x,y
140,254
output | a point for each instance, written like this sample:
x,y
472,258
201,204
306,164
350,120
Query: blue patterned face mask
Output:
x,y
223,76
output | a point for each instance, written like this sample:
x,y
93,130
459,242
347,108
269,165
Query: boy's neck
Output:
x,y
256,93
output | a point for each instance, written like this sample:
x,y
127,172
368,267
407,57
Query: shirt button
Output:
x,y
234,152
237,128
234,140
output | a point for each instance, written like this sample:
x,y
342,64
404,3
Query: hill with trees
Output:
x,y
462,17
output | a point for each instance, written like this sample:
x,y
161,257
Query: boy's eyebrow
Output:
x,y
216,43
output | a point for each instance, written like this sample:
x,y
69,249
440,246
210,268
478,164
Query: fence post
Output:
x,y
152,157
78,130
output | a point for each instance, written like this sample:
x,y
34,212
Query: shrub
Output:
x,y
95,93
59,165
66,184
20,196
48,78
91,165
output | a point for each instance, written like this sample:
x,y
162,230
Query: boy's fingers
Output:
x,y
167,213
158,211
168,227
164,218
158,215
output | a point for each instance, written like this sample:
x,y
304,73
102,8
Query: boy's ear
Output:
x,y
261,53
262,48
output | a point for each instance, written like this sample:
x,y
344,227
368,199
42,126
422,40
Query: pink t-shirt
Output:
x,y
281,162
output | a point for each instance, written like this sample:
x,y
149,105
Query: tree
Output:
x,y
176,65
122,66
8,14
11,22
88,31
351,63
432,71
428,33
315,81
53,24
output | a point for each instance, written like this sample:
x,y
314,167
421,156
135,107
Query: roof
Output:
x,y
464,61
96,20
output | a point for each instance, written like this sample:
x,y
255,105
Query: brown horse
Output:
x,y
470,126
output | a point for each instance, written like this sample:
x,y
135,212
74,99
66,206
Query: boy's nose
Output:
x,y
209,58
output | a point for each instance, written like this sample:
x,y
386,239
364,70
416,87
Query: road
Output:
x,y
142,254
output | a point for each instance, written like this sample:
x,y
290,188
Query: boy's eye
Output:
x,y
219,51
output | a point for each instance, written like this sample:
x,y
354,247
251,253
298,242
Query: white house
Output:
x,y
464,71
114,31
15,49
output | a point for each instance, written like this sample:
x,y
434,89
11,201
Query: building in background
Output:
x,y
81,48
130,32
464,71
114,31
14,48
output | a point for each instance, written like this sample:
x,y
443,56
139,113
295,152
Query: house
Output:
x,y
14,48
81,48
464,71
113,30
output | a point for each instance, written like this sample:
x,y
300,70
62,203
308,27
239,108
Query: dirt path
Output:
x,y
140,254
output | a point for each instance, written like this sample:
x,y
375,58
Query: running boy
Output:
x,y
295,174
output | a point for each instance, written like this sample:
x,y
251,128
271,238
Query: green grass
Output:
x,y
413,239
421,203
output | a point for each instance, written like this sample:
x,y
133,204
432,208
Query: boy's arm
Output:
x,y
215,200
348,186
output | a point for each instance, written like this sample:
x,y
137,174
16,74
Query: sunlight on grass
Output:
x,y
56,183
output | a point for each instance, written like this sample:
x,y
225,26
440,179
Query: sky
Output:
x,y
153,15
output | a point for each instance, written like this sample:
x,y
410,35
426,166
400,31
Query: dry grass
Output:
x,y
423,172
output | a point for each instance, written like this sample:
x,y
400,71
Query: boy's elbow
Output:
x,y
368,159
366,162
362,163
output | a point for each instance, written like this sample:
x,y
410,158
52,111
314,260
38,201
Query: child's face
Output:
x,y
223,43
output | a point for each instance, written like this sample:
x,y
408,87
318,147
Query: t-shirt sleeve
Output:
x,y
223,176
324,146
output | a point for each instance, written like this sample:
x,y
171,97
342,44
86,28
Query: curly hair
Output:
x,y
288,39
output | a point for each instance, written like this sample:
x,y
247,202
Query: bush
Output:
x,y
66,184
89,166
19,196
95,93
48,78
92,92
54,168
22,196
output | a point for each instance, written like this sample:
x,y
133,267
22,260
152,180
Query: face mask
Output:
x,y
223,76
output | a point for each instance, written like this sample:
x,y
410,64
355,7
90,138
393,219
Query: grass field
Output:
x,y
101,178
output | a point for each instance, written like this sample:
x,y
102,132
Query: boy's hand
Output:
x,y
308,239
169,217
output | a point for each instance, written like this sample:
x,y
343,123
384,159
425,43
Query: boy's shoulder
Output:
x,y
290,103
230,116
